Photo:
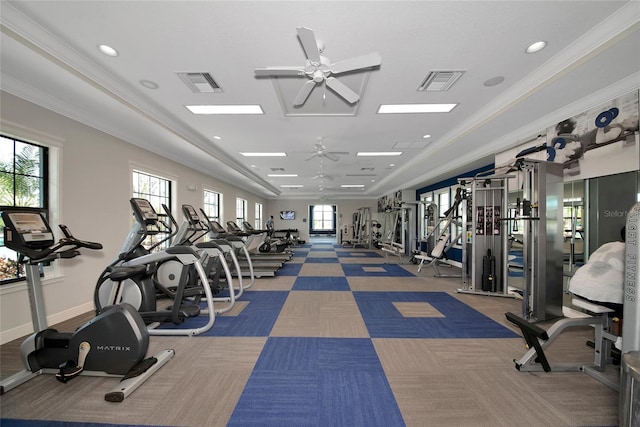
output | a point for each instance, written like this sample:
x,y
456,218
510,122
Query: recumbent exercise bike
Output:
x,y
114,343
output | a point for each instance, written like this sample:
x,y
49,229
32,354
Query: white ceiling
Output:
x,y
49,56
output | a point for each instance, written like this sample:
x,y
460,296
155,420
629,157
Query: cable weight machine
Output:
x,y
540,212
487,237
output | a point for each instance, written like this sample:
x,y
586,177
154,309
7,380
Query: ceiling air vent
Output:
x,y
437,81
200,82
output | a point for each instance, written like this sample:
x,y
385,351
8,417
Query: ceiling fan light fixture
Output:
x,y
320,69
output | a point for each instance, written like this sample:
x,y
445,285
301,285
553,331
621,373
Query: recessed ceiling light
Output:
x,y
149,84
352,185
274,154
426,136
225,109
536,47
217,138
107,50
493,81
415,108
378,153
292,186
392,165
282,175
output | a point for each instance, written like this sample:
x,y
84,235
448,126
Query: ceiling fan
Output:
x,y
322,176
321,151
319,69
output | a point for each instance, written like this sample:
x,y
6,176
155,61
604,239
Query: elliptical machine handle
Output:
x,y
89,245
70,240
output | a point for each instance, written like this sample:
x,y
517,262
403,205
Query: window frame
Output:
x,y
208,207
257,222
44,205
241,211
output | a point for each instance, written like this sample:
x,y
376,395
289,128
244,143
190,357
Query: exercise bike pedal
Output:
x,y
140,368
68,371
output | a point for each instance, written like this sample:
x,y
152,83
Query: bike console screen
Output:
x,y
26,229
144,212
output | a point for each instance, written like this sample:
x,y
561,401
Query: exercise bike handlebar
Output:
x,y
65,248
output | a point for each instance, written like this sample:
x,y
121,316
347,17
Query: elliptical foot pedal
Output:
x,y
68,371
140,368
138,375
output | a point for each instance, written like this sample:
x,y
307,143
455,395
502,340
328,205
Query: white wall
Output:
x,y
94,192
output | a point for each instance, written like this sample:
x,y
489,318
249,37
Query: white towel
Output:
x,y
602,277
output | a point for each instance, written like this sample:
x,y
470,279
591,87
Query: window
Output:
x,y
212,204
24,182
241,211
323,218
428,214
157,191
257,223
442,200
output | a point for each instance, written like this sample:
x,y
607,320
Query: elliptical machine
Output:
x,y
131,278
114,343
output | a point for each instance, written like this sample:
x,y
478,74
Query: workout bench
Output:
x,y
535,360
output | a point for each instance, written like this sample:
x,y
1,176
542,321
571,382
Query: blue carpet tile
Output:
x,y
321,260
255,320
383,320
375,270
300,252
319,382
289,269
310,283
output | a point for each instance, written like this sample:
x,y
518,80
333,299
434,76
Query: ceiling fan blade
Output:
x,y
339,152
309,44
302,96
314,155
279,71
330,157
342,90
364,61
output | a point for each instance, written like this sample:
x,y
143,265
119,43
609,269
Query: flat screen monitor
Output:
x,y
287,215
